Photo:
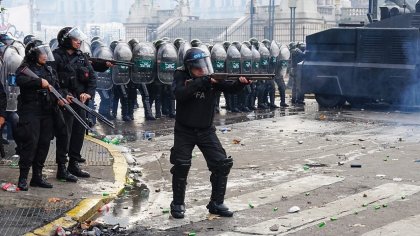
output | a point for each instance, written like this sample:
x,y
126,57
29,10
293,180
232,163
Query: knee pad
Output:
x,y
180,168
223,167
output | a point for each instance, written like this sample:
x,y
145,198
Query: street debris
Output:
x,y
356,166
104,209
311,165
9,187
364,195
358,225
361,139
322,224
165,211
333,218
322,117
380,176
148,135
54,200
307,194
250,205
274,227
275,209
397,179
294,209
212,217
417,161
236,141
305,167
340,163
225,129
377,207
300,142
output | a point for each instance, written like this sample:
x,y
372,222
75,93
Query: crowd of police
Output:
x,y
117,72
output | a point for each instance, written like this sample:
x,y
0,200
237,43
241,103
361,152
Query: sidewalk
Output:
x,y
66,203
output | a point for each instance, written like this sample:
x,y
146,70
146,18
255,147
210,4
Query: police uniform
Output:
x,y
36,109
195,104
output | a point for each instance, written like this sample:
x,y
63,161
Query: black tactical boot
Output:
x,y
218,181
23,180
74,169
63,174
147,109
177,205
234,103
37,179
172,109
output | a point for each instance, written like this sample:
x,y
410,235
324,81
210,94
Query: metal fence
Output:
x,y
214,34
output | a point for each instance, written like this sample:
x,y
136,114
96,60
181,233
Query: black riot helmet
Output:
x,y
198,63
96,38
226,45
133,43
237,45
28,38
166,39
113,45
292,45
178,42
35,48
301,46
266,43
159,43
66,34
6,39
254,42
195,42
248,44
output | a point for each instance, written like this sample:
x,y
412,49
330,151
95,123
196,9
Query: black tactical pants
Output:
x,y
282,88
181,155
61,136
76,133
34,133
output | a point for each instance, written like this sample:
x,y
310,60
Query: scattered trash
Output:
x,y
307,194
377,207
358,225
340,163
328,139
322,117
361,139
322,224
213,217
105,208
333,218
417,161
395,159
400,139
356,166
9,187
403,197
274,227
165,211
148,135
316,165
192,234
381,176
397,179
250,205
236,141
157,190
363,147
300,142
305,167
364,195
54,199
60,231
384,205
275,209
105,194
364,205
294,209
225,129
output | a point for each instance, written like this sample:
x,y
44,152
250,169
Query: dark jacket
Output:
x,y
196,99
75,73
33,98
3,101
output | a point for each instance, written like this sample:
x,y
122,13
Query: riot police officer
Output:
x,y
77,79
297,55
36,109
3,105
195,94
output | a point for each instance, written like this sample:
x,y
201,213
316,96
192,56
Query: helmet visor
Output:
x,y
46,50
75,33
200,67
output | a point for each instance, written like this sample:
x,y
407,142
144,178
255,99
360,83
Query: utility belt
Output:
x,y
41,97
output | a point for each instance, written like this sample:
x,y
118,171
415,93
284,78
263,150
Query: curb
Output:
x,y
88,207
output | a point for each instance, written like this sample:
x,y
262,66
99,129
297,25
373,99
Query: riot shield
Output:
x,y
85,48
274,53
167,58
218,58
284,53
53,44
181,52
233,60
19,47
246,60
256,59
121,74
104,80
11,61
144,59
265,58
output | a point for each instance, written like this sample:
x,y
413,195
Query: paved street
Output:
x,y
298,157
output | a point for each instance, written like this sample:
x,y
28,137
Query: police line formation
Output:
x,y
34,84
